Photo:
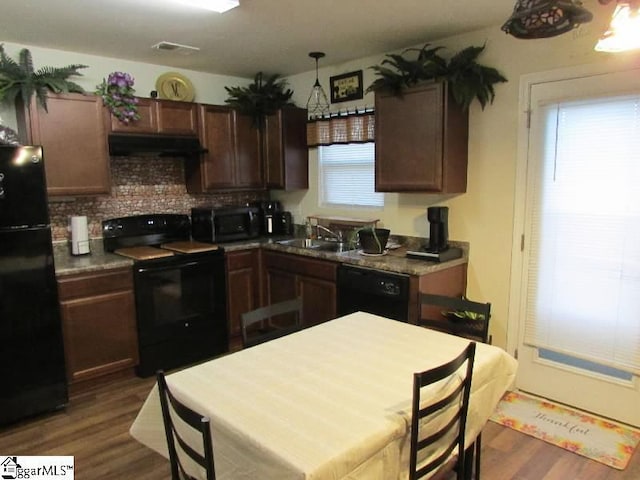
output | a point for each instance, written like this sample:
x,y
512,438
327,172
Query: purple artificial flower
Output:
x,y
118,94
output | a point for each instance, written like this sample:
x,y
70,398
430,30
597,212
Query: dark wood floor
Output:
x,y
94,428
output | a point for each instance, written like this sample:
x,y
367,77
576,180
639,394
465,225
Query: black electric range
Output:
x,y
180,290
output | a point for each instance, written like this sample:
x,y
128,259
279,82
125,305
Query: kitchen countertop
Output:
x,y
393,261
97,260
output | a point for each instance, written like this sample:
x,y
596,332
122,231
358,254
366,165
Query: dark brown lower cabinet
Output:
x,y
99,323
243,290
451,282
288,276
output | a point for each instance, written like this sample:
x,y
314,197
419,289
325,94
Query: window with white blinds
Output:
x,y
584,265
347,176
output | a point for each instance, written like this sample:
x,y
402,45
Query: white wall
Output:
x,y
484,215
209,88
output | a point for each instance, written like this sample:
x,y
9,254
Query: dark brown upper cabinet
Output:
x,y
285,153
74,141
165,117
421,141
232,161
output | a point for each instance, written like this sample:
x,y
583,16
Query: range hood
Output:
x,y
154,145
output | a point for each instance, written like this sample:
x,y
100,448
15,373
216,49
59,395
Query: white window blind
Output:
x,y
347,175
584,264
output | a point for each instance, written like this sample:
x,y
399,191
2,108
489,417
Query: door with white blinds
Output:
x,y
579,292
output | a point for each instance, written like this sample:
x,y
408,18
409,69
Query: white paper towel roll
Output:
x,y
79,236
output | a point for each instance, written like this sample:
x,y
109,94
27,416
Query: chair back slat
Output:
x,y
455,403
171,406
252,335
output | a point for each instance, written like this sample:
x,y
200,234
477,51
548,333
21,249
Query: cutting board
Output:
x,y
189,247
143,253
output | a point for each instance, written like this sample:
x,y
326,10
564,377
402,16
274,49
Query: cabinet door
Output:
x,y
318,299
421,141
98,323
281,285
286,157
273,151
99,335
314,280
147,123
216,135
72,134
243,286
177,118
248,164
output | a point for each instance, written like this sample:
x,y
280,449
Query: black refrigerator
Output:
x,y
32,368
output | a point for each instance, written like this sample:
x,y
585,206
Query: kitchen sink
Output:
x,y
320,245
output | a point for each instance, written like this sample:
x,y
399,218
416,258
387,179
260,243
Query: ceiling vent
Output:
x,y
175,47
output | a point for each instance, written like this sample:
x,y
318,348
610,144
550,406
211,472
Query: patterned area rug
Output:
x,y
592,437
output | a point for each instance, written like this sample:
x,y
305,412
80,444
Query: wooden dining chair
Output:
x,y
444,440
471,321
436,311
261,324
171,406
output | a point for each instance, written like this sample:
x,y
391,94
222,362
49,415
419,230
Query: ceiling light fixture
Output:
x,y
624,30
317,105
545,18
219,6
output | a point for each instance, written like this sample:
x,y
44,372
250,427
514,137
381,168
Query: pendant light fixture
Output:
x,y
545,18
317,105
624,30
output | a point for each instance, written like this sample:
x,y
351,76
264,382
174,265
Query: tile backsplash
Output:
x,y
139,185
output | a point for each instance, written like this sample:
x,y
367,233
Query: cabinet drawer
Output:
x,y
241,260
94,283
323,269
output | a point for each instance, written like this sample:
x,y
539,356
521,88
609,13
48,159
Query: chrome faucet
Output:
x,y
337,236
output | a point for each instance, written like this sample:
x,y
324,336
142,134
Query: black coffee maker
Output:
x,y
438,229
269,213
438,248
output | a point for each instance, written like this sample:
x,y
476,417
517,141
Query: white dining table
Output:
x,y
329,402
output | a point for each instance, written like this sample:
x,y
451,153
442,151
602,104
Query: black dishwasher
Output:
x,y
374,291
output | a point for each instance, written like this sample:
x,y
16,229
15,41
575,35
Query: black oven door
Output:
x,y
181,311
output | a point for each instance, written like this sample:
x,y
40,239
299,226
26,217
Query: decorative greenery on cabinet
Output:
x,y
265,96
117,94
466,77
20,78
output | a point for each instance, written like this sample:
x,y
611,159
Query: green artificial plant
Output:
x,y
263,97
20,78
467,78
463,315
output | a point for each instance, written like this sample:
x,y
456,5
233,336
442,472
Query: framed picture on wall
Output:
x,y
346,87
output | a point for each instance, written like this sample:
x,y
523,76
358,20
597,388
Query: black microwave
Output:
x,y
224,224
